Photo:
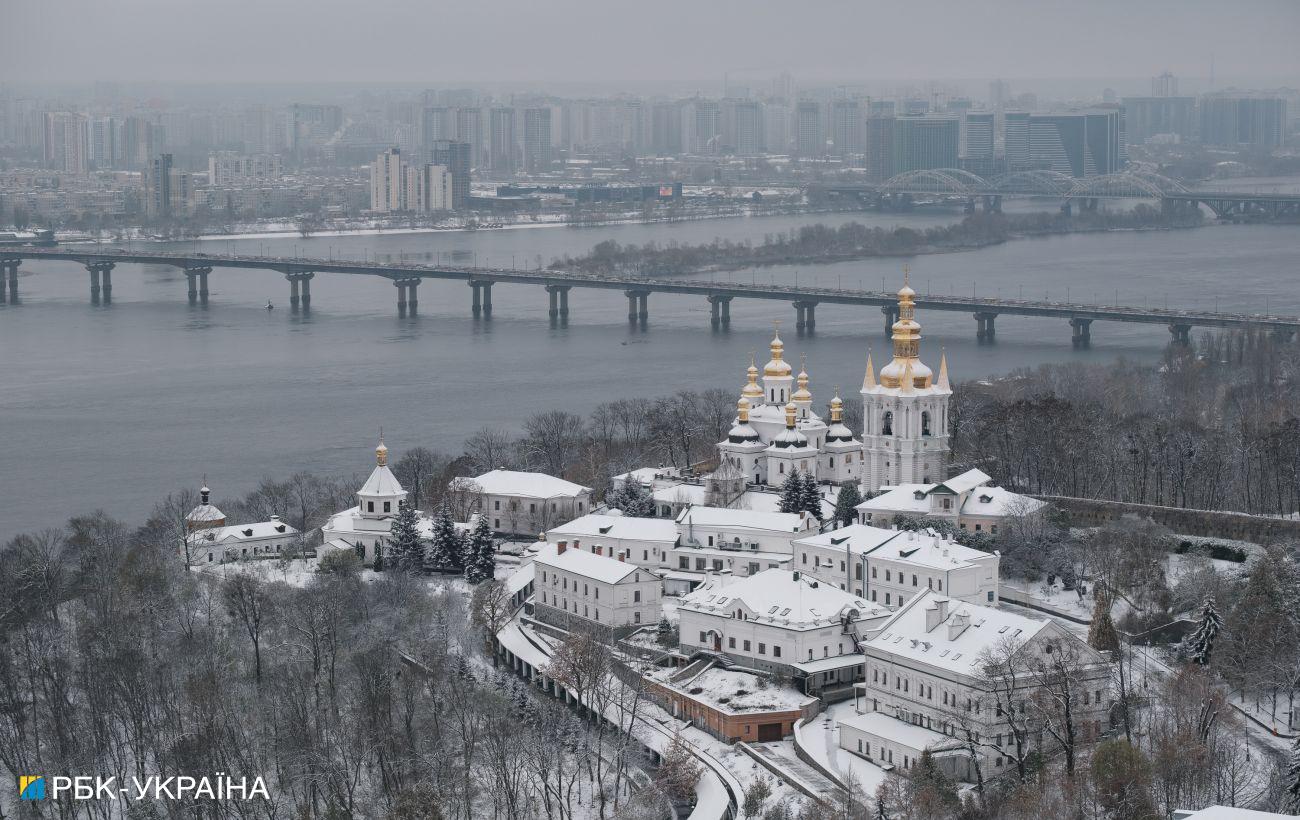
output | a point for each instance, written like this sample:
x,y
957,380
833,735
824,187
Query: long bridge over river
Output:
x,y
299,273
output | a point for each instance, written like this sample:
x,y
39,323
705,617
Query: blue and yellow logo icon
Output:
x,y
31,787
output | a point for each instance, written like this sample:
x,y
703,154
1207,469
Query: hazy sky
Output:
x,y
663,41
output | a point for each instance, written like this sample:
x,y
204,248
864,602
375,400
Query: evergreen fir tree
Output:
x,y
1293,779
379,558
631,499
480,552
1102,634
446,551
1200,644
811,496
792,493
360,549
846,504
407,551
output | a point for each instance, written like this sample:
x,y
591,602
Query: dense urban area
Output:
x,y
602,577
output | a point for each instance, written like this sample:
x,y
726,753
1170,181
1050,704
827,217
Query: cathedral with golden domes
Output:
x,y
904,410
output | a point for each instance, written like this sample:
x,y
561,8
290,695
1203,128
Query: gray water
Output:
x,y
114,406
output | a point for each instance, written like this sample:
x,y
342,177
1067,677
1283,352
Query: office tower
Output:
x,y
138,142
783,86
469,129
746,128
666,128
1147,117
501,140
67,142
167,190
104,149
809,141
537,140
880,148
1166,85
387,182
706,120
915,107
1079,144
979,135
926,142
846,127
436,123
999,94
455,157
1016,140
1233,120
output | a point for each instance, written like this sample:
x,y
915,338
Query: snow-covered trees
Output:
x,y
1102,635
800,493
678,772
407,552
811,496
446,551
1292,803
631,499
1199,645
480,552
846,504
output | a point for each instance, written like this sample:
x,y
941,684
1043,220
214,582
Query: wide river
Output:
x,y
114,406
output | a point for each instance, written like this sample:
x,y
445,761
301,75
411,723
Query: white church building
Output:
x,y
366,527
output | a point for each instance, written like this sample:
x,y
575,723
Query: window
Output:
x,y
532,508
925,422
636,616
886,598
762,650
990,595
913,579
704,637
804,558
496,523
636,596
370,506
887,424
873,569
683,562
776,651
731,643
496,505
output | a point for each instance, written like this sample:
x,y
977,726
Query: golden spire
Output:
x,y
803,393
751,390
790,410
943,370
381,452
777,366
907,343
742,411
869,380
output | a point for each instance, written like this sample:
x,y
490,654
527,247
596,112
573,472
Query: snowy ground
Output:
x,y
820,737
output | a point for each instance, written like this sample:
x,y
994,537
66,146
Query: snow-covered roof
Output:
x,y
381,484
591,528
888,727
779,597
965,482
925,549
586,564
759,501
521,578
858,539
996,501
205,512
1230,813
527,485
716,684
946,646
274,528
980,499
650,476
744,519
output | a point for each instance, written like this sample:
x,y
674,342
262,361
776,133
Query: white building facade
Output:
x,y
966,501
574,589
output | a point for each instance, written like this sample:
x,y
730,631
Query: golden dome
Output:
x,y
777,366
907,345
837,408
790,410
742,410
751,390
381,452
803,393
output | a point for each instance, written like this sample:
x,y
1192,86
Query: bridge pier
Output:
x,y
101,281
299,288
1182,333
94,283
638,305
198,282
719,311
9,271
985,327
559,299
1082,332
891,316
482,303
805,316
401,296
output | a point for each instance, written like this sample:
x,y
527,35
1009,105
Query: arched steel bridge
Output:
x,y
299,272
956,183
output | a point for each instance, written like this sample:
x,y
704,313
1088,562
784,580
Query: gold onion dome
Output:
x,y
751,390
778,366
742,431
790,437
803,394
381,453
907,346
837,431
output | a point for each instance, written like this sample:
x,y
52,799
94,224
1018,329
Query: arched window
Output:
x,y
925,422
887,424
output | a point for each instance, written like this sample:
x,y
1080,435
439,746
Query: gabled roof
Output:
x,y
925,549
857,539
744,519
244,532
591,528
527,485
965,482
586,564
382,483
781,598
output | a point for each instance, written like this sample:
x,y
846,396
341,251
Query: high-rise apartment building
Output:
x,y
427,188
387,182
666,128
67,142
1166,85
537,140
979,135
926,142
167,190
105,151
880,148
706,122
1015,125
809,141
846,127
469,130
227,168
1147,117
745,128
1079,144
455,157
1234,120
437,122
502,140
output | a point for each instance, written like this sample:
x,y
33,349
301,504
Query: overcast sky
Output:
x,y
664,41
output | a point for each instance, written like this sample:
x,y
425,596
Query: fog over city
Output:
x,y
661,410
674,44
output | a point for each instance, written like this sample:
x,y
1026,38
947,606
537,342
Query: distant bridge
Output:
x,y
299,272
956,183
